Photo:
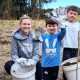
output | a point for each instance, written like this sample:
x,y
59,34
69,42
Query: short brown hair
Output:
x,y
50,21
25,17
73,8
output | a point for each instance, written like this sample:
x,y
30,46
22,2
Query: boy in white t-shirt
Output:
x,y
70,40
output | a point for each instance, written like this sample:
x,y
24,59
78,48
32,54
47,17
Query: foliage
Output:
x,y
78,19
4,3
46,10
16,8
47,1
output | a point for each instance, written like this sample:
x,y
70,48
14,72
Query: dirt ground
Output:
x,y
6,28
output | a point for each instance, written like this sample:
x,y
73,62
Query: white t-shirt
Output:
x,y
70,39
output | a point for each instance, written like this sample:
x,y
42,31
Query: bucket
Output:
x,y
23,73
70,71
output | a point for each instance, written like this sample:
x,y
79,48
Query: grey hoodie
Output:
x,y
22,46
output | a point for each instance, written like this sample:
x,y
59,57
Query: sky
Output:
x,y
62,3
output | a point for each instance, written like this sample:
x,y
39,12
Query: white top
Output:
x,y
70,39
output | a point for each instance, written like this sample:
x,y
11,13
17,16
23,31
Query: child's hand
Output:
x,y
60,16
38,33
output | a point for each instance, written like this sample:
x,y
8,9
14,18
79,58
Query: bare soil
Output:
x,y
68,64
6,28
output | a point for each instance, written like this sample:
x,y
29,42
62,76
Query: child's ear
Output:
x,y
45,26
67,13
57,27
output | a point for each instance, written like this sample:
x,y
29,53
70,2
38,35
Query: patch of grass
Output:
x,y
78,19
2,39
14,23
9,23
37,23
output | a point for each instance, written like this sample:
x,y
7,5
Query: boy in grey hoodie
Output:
x,y
22,46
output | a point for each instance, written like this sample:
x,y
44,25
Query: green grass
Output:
x,y
78,19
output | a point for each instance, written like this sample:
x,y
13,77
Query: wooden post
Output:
x,y
77,58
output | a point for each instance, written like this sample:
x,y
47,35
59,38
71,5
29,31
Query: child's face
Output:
x,y
51,28
72,15
25,26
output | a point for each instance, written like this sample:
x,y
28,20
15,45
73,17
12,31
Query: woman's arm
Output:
x,y
14,49
36,49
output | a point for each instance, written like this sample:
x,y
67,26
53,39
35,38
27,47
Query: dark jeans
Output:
x,y
50,73
38,69
69,53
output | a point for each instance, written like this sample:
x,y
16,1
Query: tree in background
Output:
x,y
3,8
18,8
14,9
